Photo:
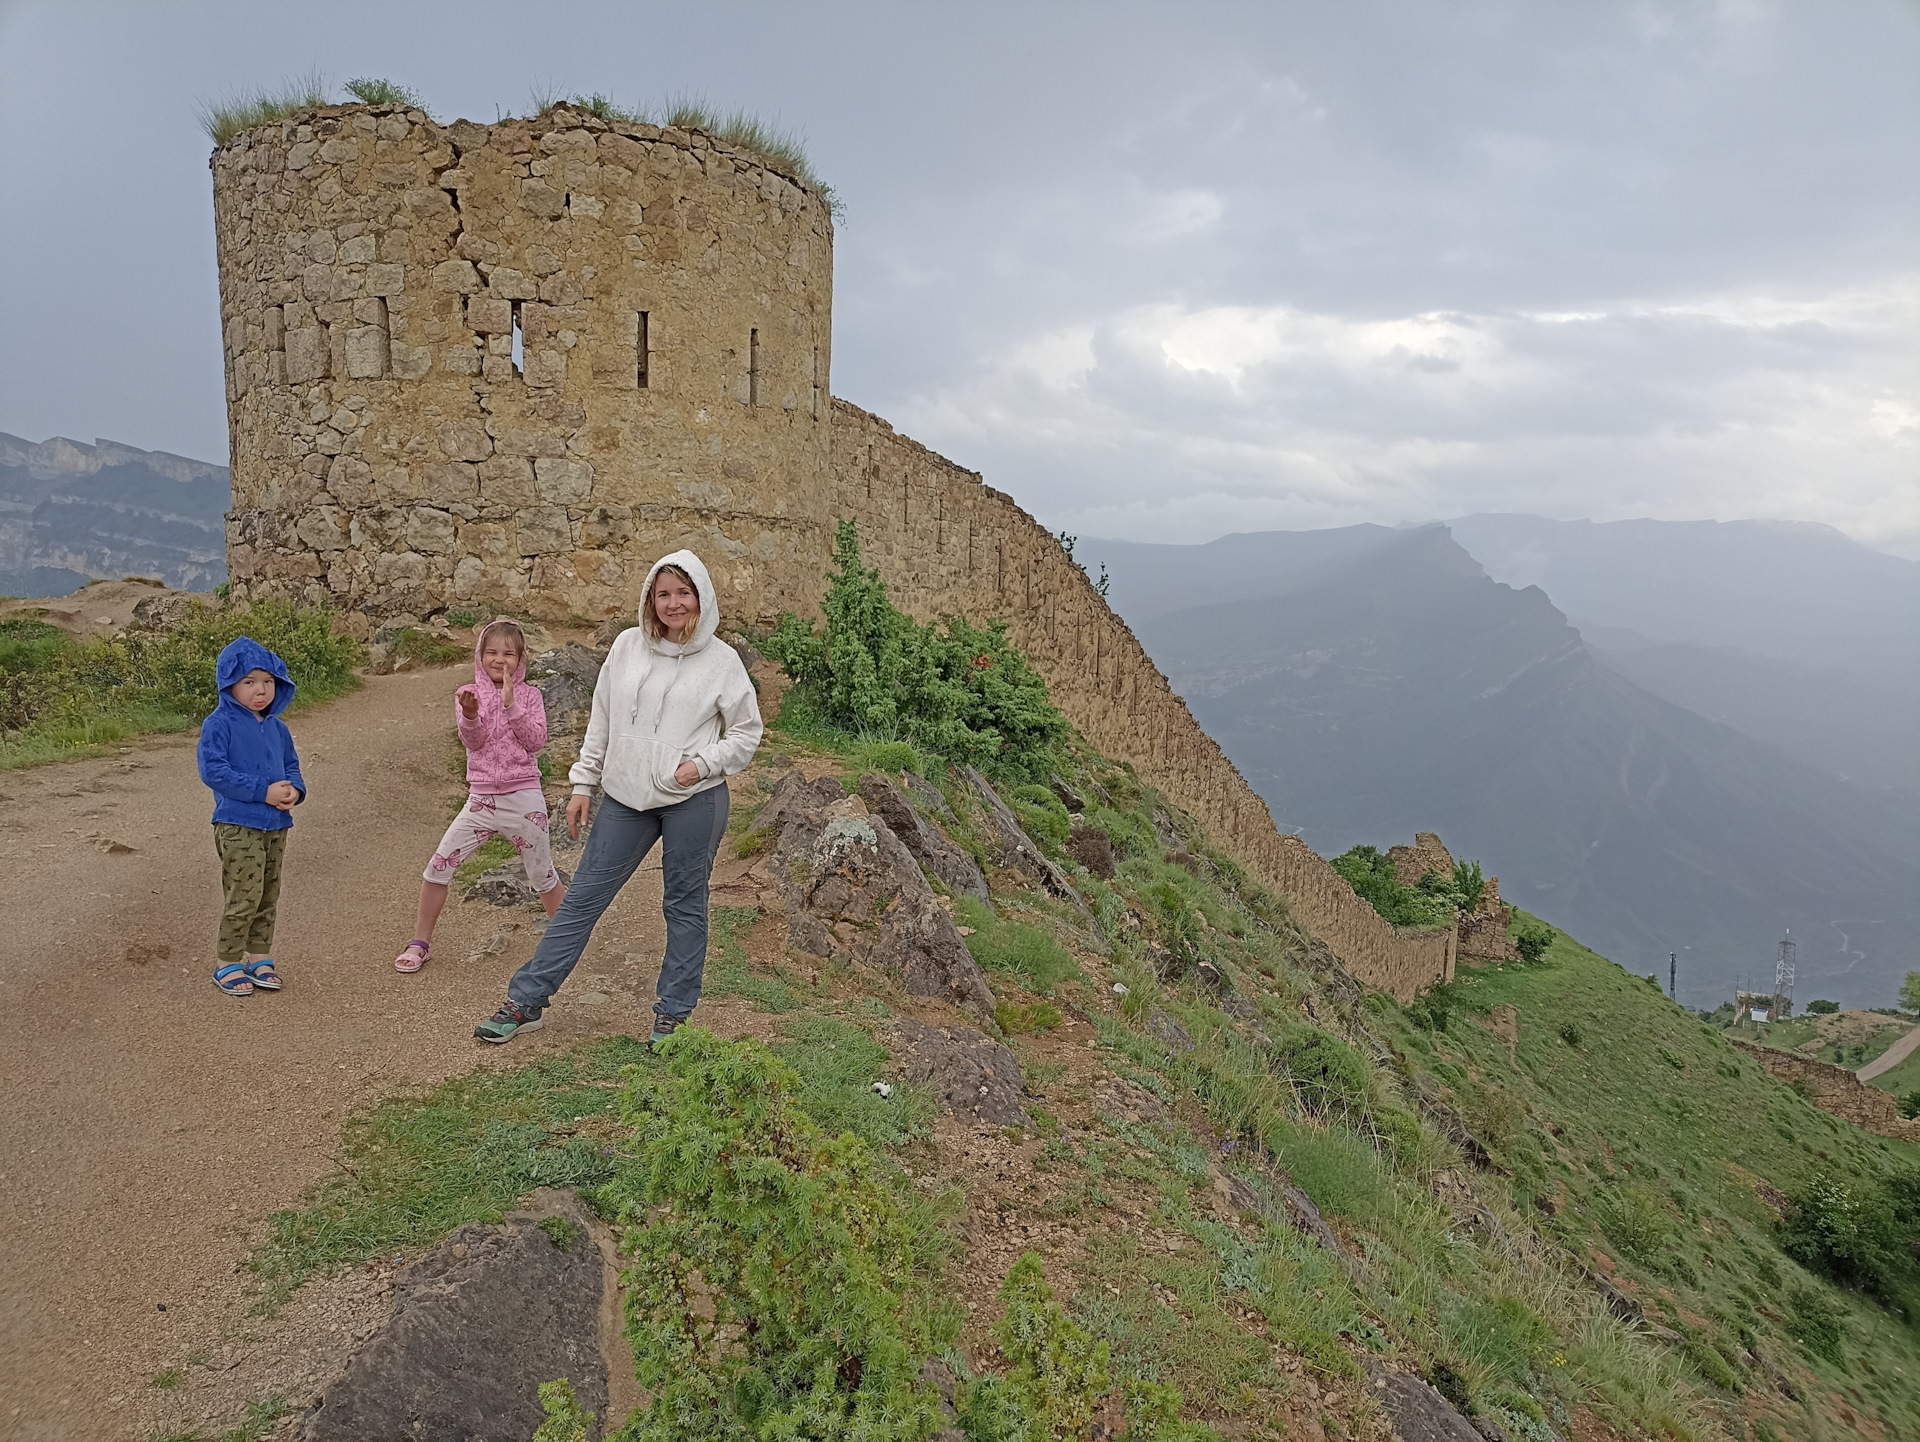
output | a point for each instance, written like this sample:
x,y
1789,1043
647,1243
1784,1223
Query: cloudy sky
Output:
x,y
1160,271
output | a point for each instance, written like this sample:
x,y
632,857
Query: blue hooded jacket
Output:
x,y
242,754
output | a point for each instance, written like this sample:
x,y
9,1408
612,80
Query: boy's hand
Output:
x,y
469,703
576,814
282,795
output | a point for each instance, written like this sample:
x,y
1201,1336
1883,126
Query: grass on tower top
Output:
x,y
227,118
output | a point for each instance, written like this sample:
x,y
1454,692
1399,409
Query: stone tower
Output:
x,y
508,366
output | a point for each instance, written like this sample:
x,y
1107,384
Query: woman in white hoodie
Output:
x,y
674,715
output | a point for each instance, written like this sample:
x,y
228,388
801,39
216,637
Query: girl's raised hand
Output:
x,y
469,703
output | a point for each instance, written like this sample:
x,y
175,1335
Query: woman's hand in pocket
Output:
x,y
686,773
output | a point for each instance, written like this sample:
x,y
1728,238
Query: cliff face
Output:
x,y
71,513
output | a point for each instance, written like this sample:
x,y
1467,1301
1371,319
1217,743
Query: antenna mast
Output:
x,y
1783,975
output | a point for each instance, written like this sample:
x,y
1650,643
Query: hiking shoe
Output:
x,y
508,1022
663,1027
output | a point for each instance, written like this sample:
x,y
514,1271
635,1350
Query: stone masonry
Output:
x,y
508,366
505,366
1837,1091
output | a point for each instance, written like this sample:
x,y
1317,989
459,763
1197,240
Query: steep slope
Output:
x,y
70,513
1411,691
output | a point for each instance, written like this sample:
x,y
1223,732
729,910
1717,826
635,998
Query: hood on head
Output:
x,y
479,641
703,587
244,654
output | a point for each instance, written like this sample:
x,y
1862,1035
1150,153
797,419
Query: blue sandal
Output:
x,y
232,979
262,974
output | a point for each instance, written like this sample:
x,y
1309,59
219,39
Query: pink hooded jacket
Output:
x,y
502,743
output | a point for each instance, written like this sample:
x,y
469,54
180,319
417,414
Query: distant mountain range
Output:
x,y
1791,633
1373,681
72,513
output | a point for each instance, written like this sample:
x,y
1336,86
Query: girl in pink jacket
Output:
x,y
503,724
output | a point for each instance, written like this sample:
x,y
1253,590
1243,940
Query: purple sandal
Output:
x,y
408,960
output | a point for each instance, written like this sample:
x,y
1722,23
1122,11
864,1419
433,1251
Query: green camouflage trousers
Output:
x,y
250,873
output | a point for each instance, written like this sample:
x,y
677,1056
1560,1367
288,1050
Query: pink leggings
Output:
x,y
520,816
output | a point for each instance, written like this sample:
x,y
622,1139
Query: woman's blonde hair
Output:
x,y
650,619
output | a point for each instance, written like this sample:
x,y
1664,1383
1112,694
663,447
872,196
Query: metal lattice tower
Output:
x,y
1783,975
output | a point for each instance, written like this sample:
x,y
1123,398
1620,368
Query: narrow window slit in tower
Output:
x,y
816,383
753,367
642,349
519,343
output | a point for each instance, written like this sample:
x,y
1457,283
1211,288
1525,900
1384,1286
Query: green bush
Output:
x,y
1822,1008
1369,872
1848,1233
1816,1324
1533,941
58,694
1328,1075
960,693
780,1279
1059,1372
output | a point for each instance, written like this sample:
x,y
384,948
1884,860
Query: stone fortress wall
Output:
x,y
508,366
502,366
948,544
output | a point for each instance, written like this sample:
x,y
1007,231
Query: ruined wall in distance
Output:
x,y
947,544
507,366
1836,1091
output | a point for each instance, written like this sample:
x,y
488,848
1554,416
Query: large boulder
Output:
x,y
566,677
944,861
478,1324
851,886
975,1077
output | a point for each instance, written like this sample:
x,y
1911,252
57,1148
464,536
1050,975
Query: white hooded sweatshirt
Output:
x,y
658,703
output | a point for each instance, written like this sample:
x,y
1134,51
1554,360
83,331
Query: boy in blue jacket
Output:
x,y
247,757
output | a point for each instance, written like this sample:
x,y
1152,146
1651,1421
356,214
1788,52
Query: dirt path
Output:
x,y
1891,1057
151,1123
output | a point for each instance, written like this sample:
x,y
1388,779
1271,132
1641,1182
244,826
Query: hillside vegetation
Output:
x,y
1243,1194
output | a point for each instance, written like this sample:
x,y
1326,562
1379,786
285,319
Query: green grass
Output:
x,y
413,1169
1647,1137
838,1065
730,973
1030,952
1901,1079
62,698
371,90
224,119
497,852
427,648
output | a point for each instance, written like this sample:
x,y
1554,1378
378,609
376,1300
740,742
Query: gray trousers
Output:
x,y
690,833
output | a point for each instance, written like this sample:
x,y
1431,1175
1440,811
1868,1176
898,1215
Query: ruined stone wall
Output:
x,y
1483,931
948,544
1836,1091
670,299
1410,863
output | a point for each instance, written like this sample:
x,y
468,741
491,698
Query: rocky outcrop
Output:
x,y
1009,844
478,1324
944,861
1420,1414
566,677
852,887
975,1077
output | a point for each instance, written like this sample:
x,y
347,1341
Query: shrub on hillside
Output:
x,y
1368,871
54,687
1533,941
952,689
1822,1008
781,1278
1848,1233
